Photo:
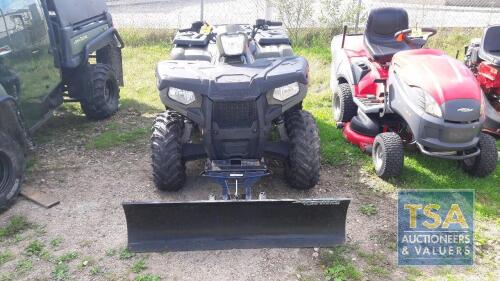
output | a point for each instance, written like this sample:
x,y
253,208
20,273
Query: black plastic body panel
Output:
x,y
234,107
71,12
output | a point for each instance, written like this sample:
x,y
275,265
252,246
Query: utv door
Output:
x,y
26,63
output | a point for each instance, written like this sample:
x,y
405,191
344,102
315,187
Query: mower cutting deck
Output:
x,y
234,94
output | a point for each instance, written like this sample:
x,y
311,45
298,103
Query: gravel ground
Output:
x,y
91,186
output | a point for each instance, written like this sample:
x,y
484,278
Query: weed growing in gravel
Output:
x,y
7,277
61,272
368,209
24,266
338,267
5,257
412,273
16,225
377,264
111,252
67,257
96,270
35,248
139,266
56,242
147,277
125,254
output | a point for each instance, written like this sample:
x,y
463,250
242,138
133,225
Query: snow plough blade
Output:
x,y
235,224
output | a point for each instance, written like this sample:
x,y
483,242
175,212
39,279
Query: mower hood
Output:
x,y
223,81
444,78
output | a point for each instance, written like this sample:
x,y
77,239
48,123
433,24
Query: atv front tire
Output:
x,y
388,155
302,167
169,169
103,99
344,108
486,162
12,166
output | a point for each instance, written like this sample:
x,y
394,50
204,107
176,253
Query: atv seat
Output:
x,y
382,24
490,47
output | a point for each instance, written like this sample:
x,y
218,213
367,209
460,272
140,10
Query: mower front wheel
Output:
x,y
486,162
302,167
344,108
388,155
103,99
169,169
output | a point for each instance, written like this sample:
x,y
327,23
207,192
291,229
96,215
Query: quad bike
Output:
x,y
482,56
389,92
234,95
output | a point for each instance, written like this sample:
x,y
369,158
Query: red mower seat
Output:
x,y
490,46
382,24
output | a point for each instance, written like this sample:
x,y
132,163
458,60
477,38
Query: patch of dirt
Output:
x,y
91,186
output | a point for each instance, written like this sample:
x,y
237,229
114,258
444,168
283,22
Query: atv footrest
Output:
x,y
237,175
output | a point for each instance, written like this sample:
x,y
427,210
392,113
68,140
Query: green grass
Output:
x,y
368,209
139,266
5,256
147,277
339,267
65,258
35,248
24,266
125,254
116,137
16,225
60,272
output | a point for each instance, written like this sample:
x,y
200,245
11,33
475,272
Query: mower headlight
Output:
x,y
182,96
286,92
233,44
431,106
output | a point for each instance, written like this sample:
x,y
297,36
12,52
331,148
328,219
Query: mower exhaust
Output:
x,y
235,224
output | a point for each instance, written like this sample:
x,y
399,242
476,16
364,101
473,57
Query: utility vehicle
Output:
x,y
390,92
482,56
51,51
234,97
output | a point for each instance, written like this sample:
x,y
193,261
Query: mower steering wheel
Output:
x,y
401,35
431,32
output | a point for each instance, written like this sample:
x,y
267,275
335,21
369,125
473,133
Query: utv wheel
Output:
x,y
344,108
303,164
388,155
486,162
103,100
169,169
12,165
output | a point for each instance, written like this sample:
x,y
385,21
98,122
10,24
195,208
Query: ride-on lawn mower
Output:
x,y
234,95
389,92
482,56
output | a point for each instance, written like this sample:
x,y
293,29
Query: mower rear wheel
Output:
x,y
344,108
302,167
388,155
486,162
12,165
103,100
169,169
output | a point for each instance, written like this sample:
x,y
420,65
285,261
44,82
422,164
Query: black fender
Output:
x,y
10,121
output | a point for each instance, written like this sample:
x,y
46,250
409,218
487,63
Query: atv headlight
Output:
x,y
431,106
182,96
286,92
233,44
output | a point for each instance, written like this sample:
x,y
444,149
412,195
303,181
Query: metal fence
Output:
x,y
179,13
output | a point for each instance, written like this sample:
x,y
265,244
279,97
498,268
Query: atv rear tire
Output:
x,y
302,167
169,169
388,155
104,98
486,162
12,166
344,108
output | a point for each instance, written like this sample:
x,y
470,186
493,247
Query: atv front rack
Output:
x,y
236,174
